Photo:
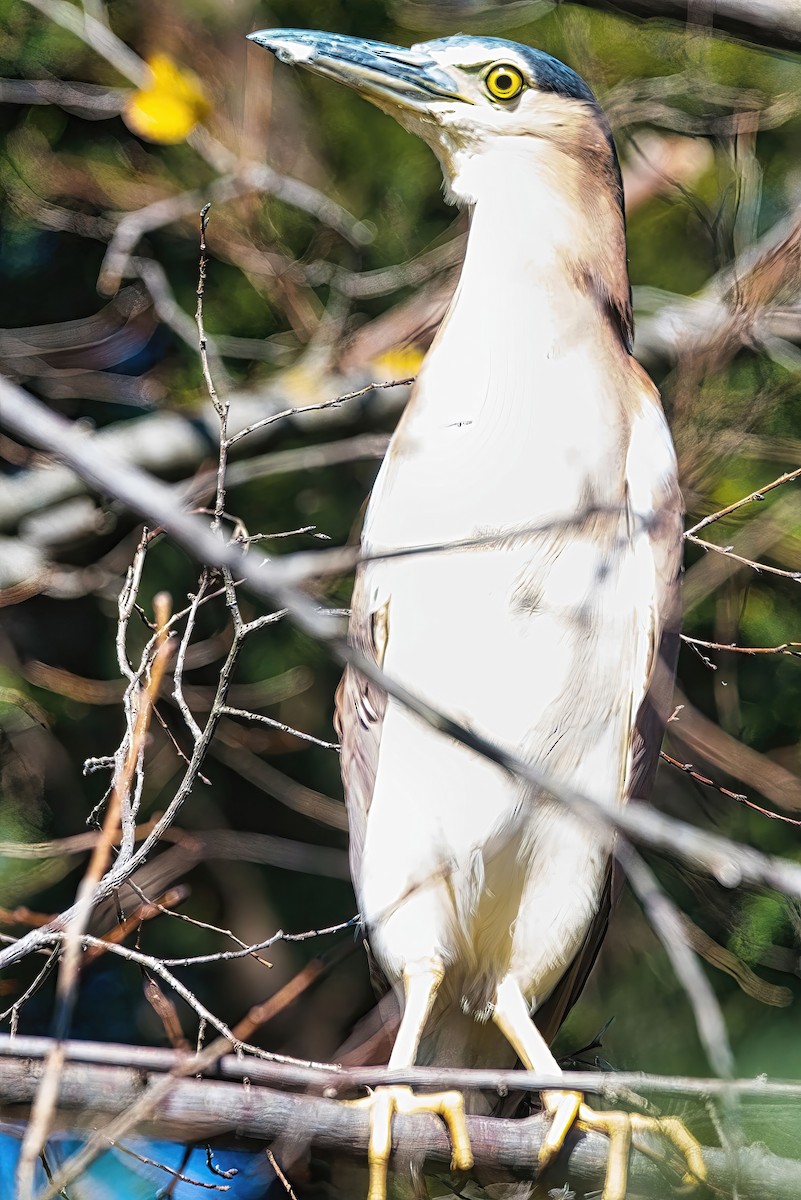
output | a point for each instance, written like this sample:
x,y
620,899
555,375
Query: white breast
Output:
x,y
539,642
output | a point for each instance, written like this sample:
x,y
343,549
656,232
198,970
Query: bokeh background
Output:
x,y
318,290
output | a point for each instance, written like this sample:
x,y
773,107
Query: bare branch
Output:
x,y
334,1081
728,552
89,100
337,402
771,23
501,1147
666,920
775,24
120,815
221,844
751,498
297,733
97,35
792,648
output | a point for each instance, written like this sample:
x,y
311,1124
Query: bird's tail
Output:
x,y
455,1038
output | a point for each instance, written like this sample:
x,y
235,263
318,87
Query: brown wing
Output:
x,y
647,742
649,727
358,719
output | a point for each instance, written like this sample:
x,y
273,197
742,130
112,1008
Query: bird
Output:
x,y
519,572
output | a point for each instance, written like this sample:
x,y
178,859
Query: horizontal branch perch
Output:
x,y
198,1110
337,1082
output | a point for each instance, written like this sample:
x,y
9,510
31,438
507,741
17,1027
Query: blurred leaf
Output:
x,y
171,107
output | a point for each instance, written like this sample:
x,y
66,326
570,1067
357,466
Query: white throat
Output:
x,y
519,299
515,405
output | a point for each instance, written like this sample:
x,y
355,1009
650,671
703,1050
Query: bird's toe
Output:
x,y
676,1133
563,1108
627,1129
384,1102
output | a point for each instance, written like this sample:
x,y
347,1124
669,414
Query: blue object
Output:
x,y
117,1175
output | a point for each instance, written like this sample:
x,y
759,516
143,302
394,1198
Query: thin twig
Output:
x,y
337,402
168,912
791,648
665,918
751,498
270,537
189,1065
178,674
152,1162
688,769
728,552
226,955
145,912
221,407
271,721
282,1177
31,990
66,988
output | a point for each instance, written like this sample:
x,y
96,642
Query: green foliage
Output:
x,y
65,180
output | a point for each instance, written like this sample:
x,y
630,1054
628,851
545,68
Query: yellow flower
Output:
x,y
398,363
170,108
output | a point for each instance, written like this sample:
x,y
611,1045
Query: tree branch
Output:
x,y
775,24
202,1109
335,1082
175,443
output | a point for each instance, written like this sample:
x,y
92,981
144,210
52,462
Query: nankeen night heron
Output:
x,y
532,433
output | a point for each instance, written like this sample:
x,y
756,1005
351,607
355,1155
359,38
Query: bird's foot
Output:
x,y
622,1129
384,1102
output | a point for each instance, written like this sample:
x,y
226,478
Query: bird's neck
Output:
x,y
546,261
521,402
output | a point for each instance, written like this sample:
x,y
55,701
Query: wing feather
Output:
x,y
358,719
652,713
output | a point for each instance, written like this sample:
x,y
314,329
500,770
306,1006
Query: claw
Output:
x,y
676,1132
621,1129
617,1127
384,1102
563,1107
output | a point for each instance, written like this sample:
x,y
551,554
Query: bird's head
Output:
x,y
467,97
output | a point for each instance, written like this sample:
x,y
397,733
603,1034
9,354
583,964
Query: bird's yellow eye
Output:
x,y
504,82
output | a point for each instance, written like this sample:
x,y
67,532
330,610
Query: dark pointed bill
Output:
x,y
377,70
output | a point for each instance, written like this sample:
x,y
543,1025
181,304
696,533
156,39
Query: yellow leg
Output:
x,y
511,1015
420,986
